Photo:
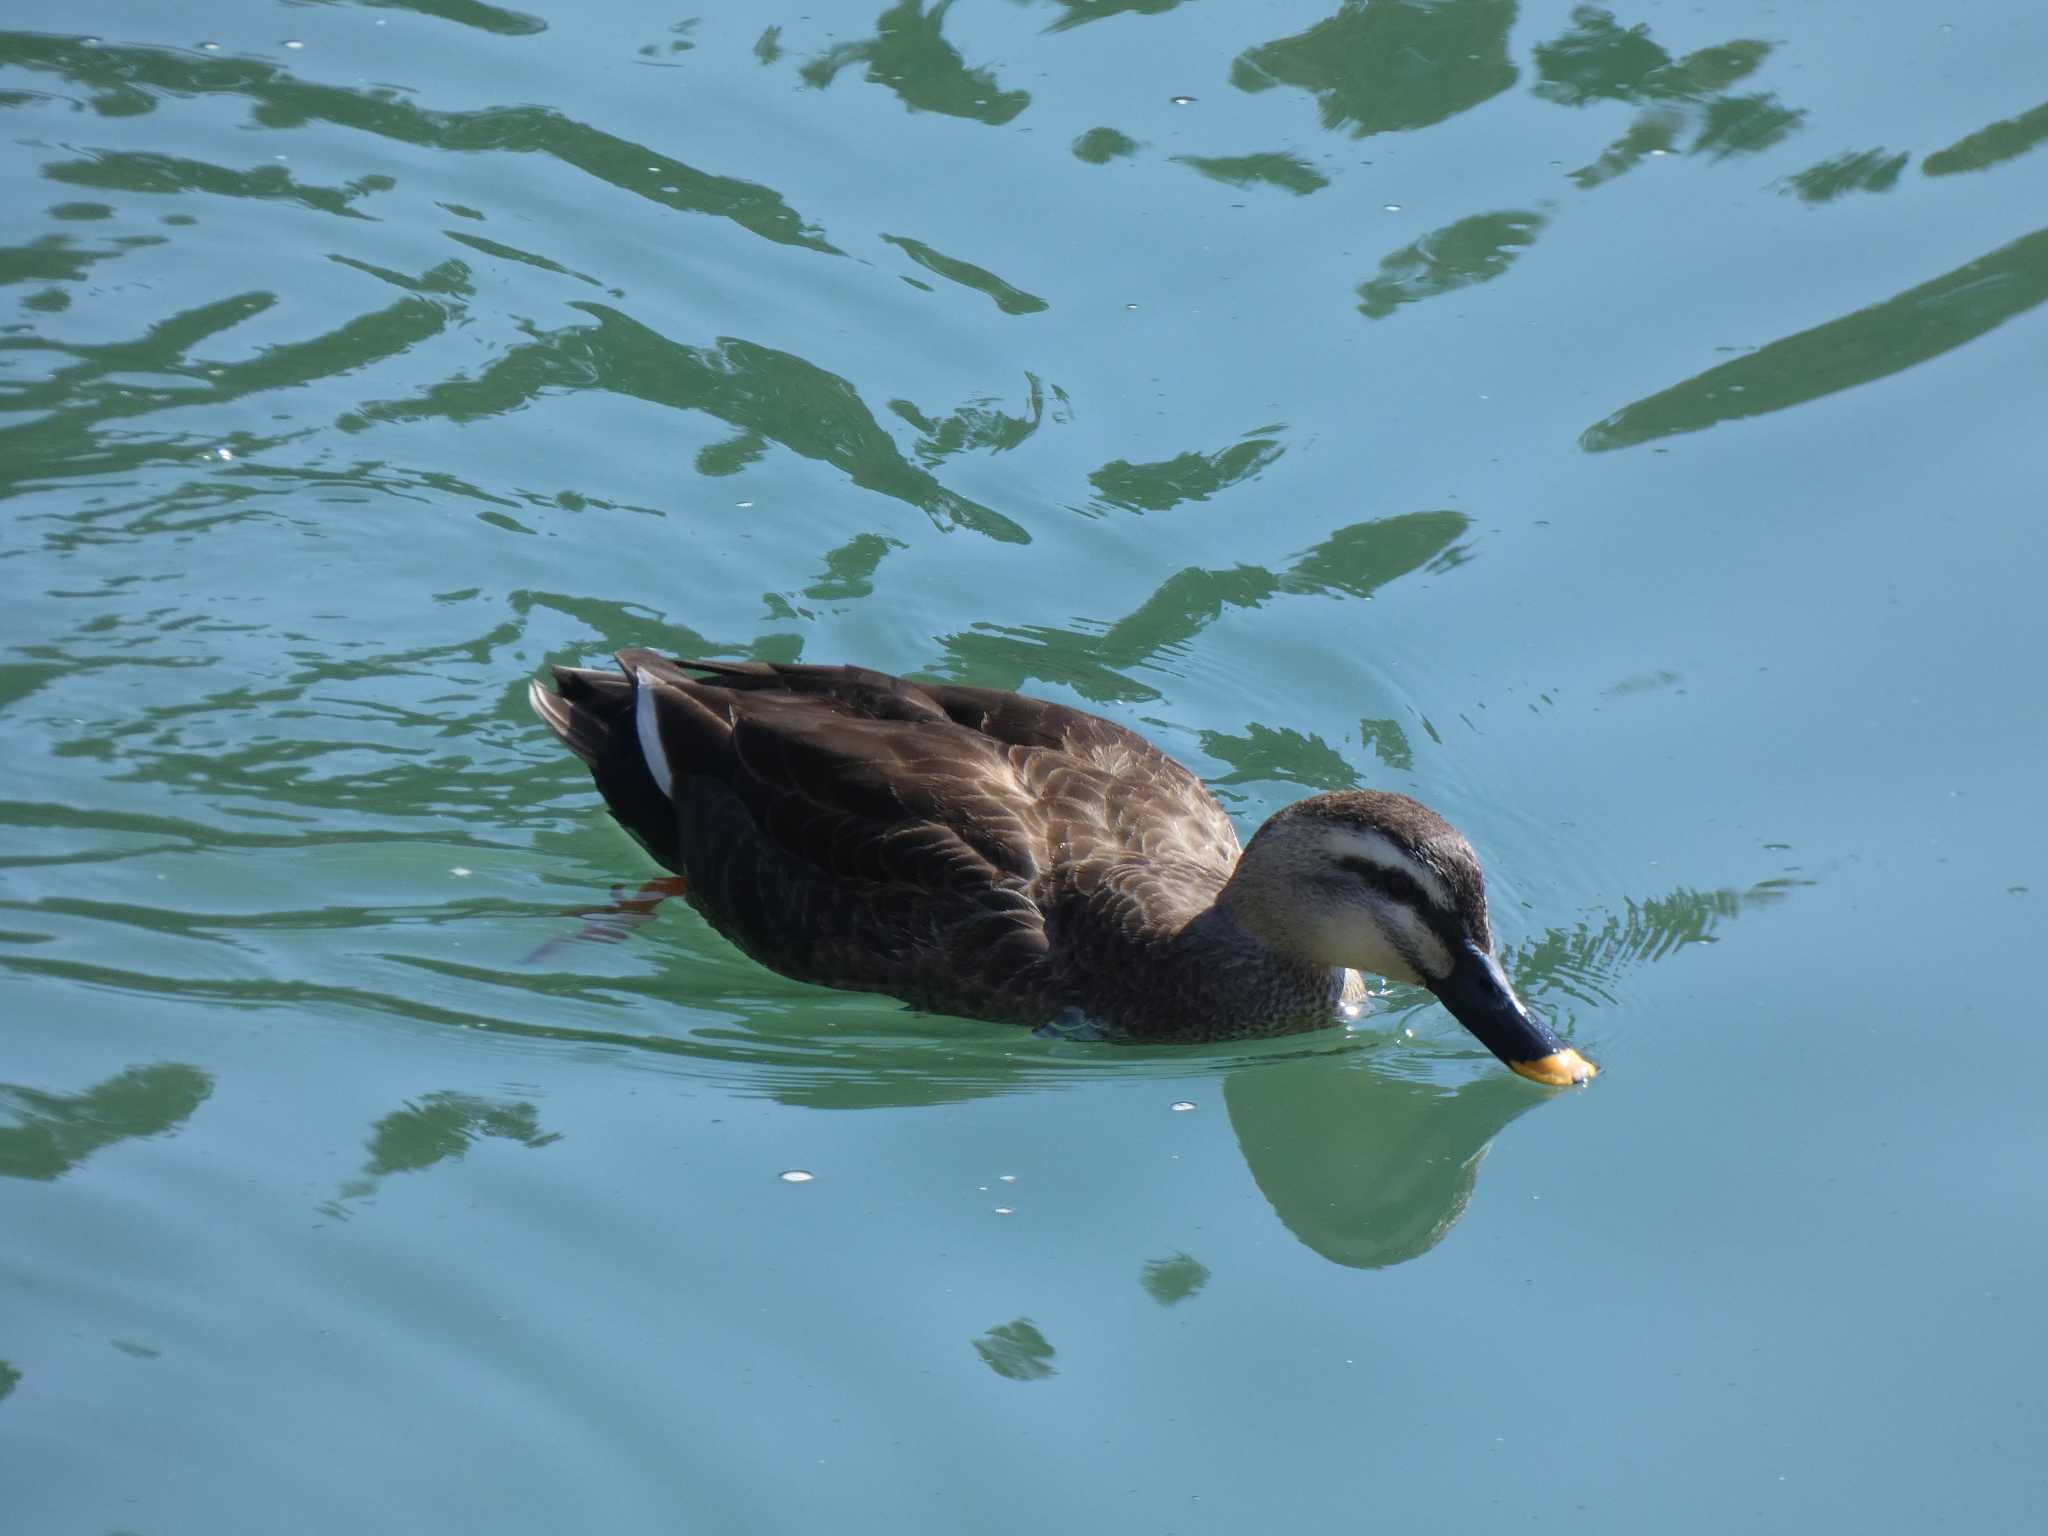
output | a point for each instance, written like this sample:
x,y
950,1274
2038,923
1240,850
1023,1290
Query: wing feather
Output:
x,y
930,841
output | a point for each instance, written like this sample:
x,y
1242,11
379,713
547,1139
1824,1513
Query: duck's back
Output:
x,y
968,850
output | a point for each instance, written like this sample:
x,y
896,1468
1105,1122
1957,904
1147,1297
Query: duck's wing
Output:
x,y
1159,806
840,839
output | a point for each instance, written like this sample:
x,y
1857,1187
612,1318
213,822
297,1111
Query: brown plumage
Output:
x,y
985,854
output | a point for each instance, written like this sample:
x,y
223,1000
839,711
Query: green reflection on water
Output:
x,y
1017,1351
1162,486
503,252
55,1132
909,56
1099,146
1080,12
1264,755
49,259
978,425
1599,60
116,381
469,13
137,171
766,394
1378,66
1988,146
731,455
1289,172
1584,961
1473,250
1010,300
1872,343
1353,562
1388,742
1744,125
127,76
439,1128
1872,170
849,572
1173,1280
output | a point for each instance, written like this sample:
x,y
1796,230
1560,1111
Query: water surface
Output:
x,y
1618,428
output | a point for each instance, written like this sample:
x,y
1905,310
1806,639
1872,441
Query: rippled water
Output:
x,y
1620,429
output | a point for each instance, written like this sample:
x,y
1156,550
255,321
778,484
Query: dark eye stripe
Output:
x,y
1397,885
1393,883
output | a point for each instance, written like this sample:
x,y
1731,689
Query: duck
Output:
x,y
988,855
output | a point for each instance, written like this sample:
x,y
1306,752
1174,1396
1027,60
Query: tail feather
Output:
x,y
592,713
580,730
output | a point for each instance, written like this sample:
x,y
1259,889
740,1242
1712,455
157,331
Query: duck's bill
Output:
x,y
1479,997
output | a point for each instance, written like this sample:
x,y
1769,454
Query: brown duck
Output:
x,y
984,854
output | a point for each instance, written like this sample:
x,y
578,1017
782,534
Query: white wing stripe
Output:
x,y
649,729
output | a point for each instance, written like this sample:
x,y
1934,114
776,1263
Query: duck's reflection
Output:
x,y
1367,1155
1366,1169
1370,1163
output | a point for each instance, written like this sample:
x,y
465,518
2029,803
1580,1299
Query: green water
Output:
x,y
1622,431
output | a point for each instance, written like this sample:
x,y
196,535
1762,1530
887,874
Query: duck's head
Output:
x,y
1378,882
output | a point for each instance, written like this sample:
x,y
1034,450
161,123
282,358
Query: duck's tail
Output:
x,y
596,715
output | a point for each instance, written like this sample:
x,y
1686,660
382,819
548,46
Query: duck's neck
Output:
x,y
1246,986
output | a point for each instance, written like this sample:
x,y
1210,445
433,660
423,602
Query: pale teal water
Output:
x,y
1623,432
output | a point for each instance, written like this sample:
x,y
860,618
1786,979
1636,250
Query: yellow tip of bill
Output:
x,y
1560,1069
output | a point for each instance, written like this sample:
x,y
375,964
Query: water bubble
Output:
x,y
225,455
1182,101
795,1176
460,872
1182,1106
